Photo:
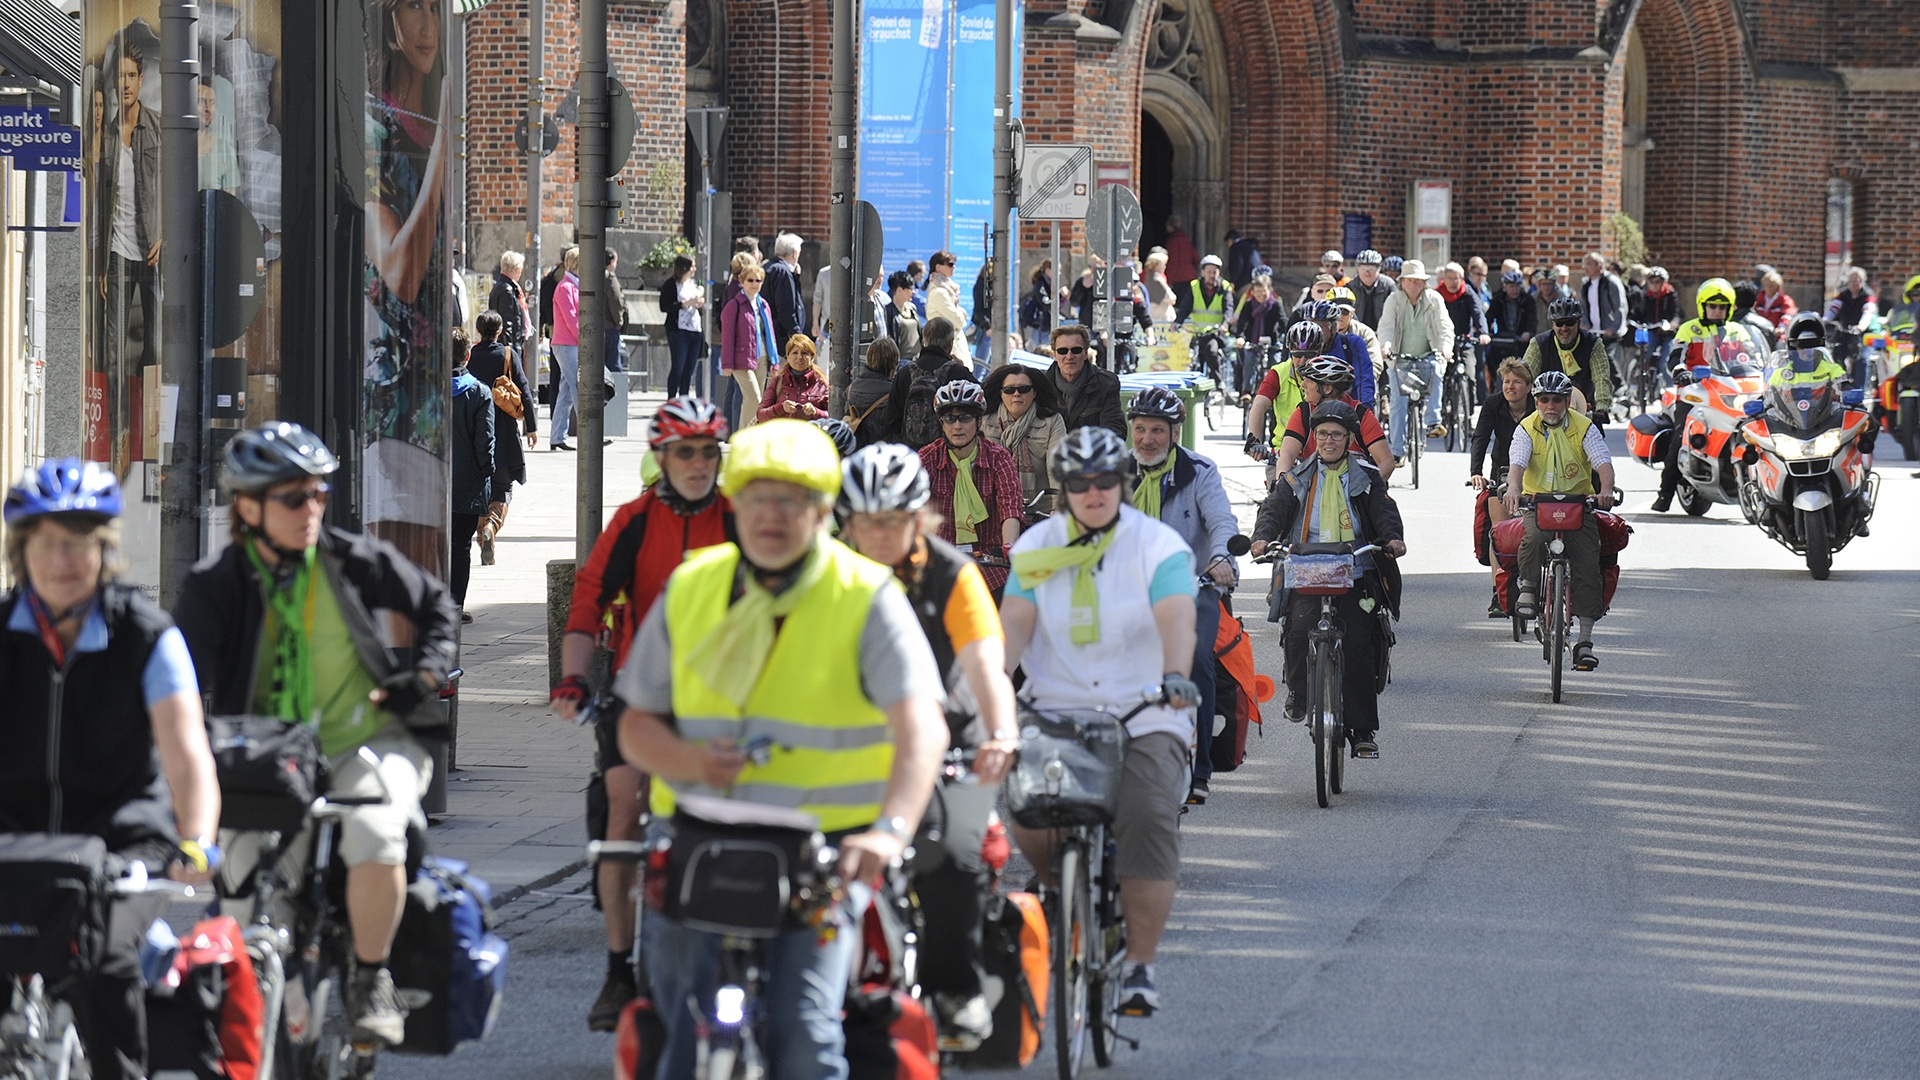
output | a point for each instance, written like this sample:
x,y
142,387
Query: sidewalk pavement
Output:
x,y
516,795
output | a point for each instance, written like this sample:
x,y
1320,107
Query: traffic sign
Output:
x,y
620,126
1056,182
1113,221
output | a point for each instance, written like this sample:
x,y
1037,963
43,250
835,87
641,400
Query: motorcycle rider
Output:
x,y
1745,295
282,623
1807,361
1279,390
1557,451
1691,344
1183,491
883,506
1201,306
1902,316
612,593
1578,353
101,732
1329,378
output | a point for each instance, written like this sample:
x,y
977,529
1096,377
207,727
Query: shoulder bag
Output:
x,y
506,395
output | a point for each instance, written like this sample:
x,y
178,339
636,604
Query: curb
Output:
x,y
514,892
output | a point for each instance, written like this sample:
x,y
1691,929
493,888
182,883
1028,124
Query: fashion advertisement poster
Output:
x,y
240,102
407,380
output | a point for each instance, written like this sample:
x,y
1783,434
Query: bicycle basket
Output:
x,y
1560,516
53,903
1318,575
736,868
1069,769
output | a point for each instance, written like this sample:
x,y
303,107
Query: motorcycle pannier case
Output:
x,y
269,771
1069,769
53,904
447,953
1647,436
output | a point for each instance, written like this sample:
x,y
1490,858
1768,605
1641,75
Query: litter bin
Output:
x,y
614,418
1191,388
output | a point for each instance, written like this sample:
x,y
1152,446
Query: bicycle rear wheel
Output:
x,y
1557,628
1072,946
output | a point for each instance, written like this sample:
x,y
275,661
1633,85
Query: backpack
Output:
x,y
446,951
1030,313
918,425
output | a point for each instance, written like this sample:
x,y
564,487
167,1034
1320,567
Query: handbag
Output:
x,y
738,868
269,771
1069,769
506,396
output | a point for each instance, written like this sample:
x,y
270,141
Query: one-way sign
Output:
x,y
1056,182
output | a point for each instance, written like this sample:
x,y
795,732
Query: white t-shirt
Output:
x,y
1145,562
689,316
126,240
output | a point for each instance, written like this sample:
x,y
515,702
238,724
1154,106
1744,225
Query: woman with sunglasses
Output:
x,y
647,538
1101,595
1023,415
291,620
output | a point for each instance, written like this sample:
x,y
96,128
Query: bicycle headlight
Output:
x,y
730,1005
1556,545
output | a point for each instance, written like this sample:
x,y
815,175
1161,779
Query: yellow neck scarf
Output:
x,y
1033,567
730,658
1568,363
969,509
1146,497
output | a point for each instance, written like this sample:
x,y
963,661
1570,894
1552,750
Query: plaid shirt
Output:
x,y
998,479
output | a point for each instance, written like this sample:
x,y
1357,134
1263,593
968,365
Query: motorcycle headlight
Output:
x,y
1824,445
1827,445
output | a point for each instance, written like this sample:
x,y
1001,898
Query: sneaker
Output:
x,y
1366,749
1437,431
1197,794
1495,611
1662,502
1296,709
465,616
486,545
965,1024
614,995
374,1007
1138,995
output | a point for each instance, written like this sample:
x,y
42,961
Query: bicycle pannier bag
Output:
x,y
205,1014
734,867
269,771
53,903
449,965
1017,958
1560,516
1069,770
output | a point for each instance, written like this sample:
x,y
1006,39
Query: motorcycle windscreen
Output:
x,y
1725,355
1804,406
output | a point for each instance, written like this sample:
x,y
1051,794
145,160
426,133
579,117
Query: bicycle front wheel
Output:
x,y
1336,721
1072,947
1557,629
1416,440
1318,714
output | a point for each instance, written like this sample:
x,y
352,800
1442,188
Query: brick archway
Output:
x,y
1697,72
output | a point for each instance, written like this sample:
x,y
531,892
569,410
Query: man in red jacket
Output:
x,y
612,594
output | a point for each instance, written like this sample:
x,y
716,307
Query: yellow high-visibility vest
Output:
x,y
1559,464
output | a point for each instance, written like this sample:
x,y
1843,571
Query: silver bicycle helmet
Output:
x,y
963,394
1327,369
1553,382
1157,403
271,454
1088,451
881,478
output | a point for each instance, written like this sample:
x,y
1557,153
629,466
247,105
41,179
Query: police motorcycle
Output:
x,y
1803,477
1717,378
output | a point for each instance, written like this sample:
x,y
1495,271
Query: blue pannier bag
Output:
x,y
449,965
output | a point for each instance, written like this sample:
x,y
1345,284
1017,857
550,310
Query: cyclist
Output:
x,y
1370,288
1660,311
1329,378
1260,317
976,485
1203,305
1349,347
1183,490
1556,451
1807,361
1511,319
1101,596
612,593
1344,300
1279,390
844,439
1851,311
1494,434
281,623
102,733
1579,354
1692,345
1416,324
884,493
787,634
1468,310
1330,497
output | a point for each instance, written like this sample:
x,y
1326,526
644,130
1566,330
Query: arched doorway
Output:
x,y
1183,125
1633,131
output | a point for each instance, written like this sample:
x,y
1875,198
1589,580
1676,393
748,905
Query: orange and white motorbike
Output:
x,y
1803,478
1725,376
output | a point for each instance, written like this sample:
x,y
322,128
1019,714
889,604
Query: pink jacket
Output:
x,y
566,311
739,336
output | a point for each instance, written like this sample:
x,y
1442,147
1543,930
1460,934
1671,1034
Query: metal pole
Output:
x,y
183,468
843,103
1053,302
590,216
536,143
712,257
1002,177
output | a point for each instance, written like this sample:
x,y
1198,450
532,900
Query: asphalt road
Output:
x,y
1705,863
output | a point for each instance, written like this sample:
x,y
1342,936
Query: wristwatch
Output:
x,y
895,827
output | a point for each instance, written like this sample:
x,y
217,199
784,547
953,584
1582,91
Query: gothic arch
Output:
x,y
1184,89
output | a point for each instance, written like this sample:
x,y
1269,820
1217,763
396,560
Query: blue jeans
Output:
x,y
1206,627
1428,368
684,347
565,392
806,987
613,358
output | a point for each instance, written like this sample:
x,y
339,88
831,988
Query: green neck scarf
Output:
x,y
730,658
969,509
1082,554
1146,497
290,696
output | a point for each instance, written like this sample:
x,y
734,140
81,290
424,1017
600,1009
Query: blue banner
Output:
x,y
970,205
905,87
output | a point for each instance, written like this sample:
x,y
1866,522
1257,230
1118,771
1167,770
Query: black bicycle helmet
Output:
x,y
1305,339
1553,382
1088,451
882,478
1331,370
1564,308
271,454
1157,403
1806,331
964,395
1335,412
842,435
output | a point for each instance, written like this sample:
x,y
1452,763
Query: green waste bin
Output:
x,y
1193,397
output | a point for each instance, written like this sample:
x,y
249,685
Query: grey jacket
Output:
x,y
1194,503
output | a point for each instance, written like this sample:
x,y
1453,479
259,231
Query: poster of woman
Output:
x,y
406,278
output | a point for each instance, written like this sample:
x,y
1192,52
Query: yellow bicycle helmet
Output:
x,y
1714,291
1342,296
1913,286
793,451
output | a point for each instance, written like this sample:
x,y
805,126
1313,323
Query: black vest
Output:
x,y
76,748
929,593
1583,349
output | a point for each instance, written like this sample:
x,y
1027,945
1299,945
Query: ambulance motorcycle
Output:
x,y
1725,376
1803,479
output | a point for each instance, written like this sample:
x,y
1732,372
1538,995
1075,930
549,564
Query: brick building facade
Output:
x,y
1731,130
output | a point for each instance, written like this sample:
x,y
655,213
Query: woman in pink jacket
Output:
x,y
797,389
566,349
746,335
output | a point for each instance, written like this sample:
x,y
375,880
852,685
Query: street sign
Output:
x,y
1113,222
620,120
706,126
549,134
869,248
1055,182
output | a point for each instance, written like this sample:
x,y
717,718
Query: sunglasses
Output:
x,y
957,417
298,500
1017,388
1069,350
1078,485
1566,322
688,453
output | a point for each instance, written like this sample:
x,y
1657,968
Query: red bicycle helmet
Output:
x,y
686,417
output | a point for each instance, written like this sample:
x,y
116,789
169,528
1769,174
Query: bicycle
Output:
x,y
1209,348
1415,389
1456,396
1563,514
1250,370
1326,571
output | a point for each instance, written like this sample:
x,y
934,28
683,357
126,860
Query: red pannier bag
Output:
x,y
1506,549
1482,528
206,1017
1614,534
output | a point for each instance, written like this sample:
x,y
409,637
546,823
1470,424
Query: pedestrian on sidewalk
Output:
x,y
616,309
470,450
491,359
681,298
510,302
623,576
566,348
746,339
797,389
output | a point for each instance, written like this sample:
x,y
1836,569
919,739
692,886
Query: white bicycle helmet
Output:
x,y
881,478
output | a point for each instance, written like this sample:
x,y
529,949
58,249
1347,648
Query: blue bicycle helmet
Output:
x,y
273,454
1392,264
1323,311
65,486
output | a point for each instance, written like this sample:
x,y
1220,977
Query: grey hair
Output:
x,y
512,262
786,244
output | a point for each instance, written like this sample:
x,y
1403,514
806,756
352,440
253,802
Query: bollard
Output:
x,y
559,604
